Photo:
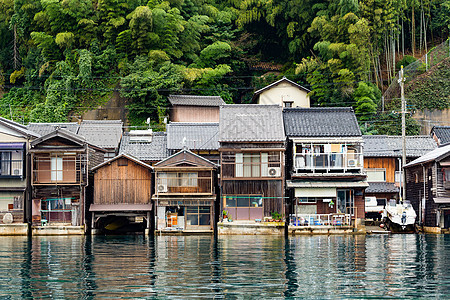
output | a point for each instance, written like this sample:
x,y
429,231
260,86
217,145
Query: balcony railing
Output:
x,y
13,167
326,162
320,220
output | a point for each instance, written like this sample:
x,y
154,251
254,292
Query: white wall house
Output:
x,y
283,92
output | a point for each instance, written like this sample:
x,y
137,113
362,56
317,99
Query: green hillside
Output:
x,y
61,58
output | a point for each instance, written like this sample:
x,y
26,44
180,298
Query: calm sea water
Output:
x,y
236,267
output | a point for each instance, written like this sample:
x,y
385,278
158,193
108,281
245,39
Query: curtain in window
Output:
x,y
56,169
6,163
239,166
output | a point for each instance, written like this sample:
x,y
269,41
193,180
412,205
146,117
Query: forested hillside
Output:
x,y
60,58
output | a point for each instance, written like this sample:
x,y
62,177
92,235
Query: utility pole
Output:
x,y
401,81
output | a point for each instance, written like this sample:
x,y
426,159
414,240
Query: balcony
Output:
x,y
328,163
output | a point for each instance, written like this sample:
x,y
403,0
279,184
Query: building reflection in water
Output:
x,y
394,266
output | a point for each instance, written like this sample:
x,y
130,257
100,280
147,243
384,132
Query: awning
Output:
x,y
324,184
315,192
12,146
120,207
442,200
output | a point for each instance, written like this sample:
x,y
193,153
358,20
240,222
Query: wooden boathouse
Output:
x,y
122,196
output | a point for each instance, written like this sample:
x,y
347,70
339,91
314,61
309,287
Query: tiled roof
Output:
x,y
194,100
103,133
442,133
391,146
382,187
251,123
46,128
436,154
321,122
195,136
284,79
148,151
132,158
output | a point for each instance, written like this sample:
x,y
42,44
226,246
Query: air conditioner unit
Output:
x,y
274,172
352,162
161,188
16,172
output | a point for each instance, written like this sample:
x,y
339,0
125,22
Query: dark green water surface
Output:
x,y
230,267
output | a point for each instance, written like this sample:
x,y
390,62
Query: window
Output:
x,y
307,200
198,215
288,103
252,165
178,179
376,175
56,166
244,201
11,163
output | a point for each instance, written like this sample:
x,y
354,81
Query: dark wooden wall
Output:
x,y
114,184
266,188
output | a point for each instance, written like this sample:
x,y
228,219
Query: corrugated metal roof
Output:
x,y
120,207
46,128
321,122
195,100
436,154
22,129
382,187
155,150
336,184
391,146
442,133
195,136
251,123
103,133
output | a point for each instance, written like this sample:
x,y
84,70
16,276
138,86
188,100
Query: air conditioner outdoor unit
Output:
x,y
274,172
352,162
16,172
161,188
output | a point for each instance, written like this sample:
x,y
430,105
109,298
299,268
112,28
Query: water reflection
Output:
x,y
396,266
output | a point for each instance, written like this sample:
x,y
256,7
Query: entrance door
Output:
x,y
345,202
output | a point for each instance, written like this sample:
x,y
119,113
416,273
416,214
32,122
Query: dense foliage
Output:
x,y
59,58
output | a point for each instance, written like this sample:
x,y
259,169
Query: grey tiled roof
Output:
x,y
196,100
156,150
103,133
321,122
391,146
195,136
46,128
382,187
442,133
251,123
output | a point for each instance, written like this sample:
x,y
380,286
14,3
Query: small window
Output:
x,y
288,104
376,175
307,200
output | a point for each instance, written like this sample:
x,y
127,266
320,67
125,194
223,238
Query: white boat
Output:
x,y
400,216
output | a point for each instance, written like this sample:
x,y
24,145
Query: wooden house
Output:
x,y
193,108
382,163
441,134
428,189
185,193
283,92
147,146
252,146
122,194
14,170
199,138
325,175
61,173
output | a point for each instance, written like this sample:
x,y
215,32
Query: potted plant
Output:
x,y
225,215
